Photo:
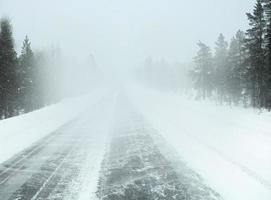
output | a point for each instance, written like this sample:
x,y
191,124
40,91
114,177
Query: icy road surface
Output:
x,y
60,165
110,152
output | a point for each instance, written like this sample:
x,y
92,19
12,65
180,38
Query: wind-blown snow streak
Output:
x,y
17,133
229,147
136,167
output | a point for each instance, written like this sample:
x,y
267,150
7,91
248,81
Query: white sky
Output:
x,y
121,33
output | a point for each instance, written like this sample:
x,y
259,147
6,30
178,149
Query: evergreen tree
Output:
x,y
40,79
202,73
242,72
236,61
27,77
255,45
8,76
267,9
221,67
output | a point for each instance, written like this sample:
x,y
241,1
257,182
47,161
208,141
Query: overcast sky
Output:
x,y
124,32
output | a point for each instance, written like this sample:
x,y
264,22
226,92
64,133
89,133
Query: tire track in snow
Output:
x,y
135,168
15,164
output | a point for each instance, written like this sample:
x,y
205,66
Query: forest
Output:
x,y
235,72
24,77
239,72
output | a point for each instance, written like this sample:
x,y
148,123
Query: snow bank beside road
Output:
x,y
229,147
19,132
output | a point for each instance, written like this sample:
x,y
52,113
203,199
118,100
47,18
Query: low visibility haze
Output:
x,y
121,33
129,100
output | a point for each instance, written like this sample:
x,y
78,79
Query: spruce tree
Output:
x,y
255,45
8,73
236,62
267,9
221,67
202,73
27,77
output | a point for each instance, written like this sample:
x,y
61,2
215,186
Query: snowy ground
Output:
x,y
20,132
63,165
229,147
139,164
159,143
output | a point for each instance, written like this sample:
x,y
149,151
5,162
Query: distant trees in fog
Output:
x,y
33,79
163,75
203,71
241,71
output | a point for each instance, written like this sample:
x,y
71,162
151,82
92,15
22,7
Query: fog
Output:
x,y
112,40
142,99
122,33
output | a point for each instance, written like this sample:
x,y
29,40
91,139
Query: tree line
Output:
x,y
162,74
22,77
238,72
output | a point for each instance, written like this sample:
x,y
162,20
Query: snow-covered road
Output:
x,y
57,166
81,161
139,164
230,147
140,144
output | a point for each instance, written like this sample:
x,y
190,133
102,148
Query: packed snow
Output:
x,y
18,133
229,147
